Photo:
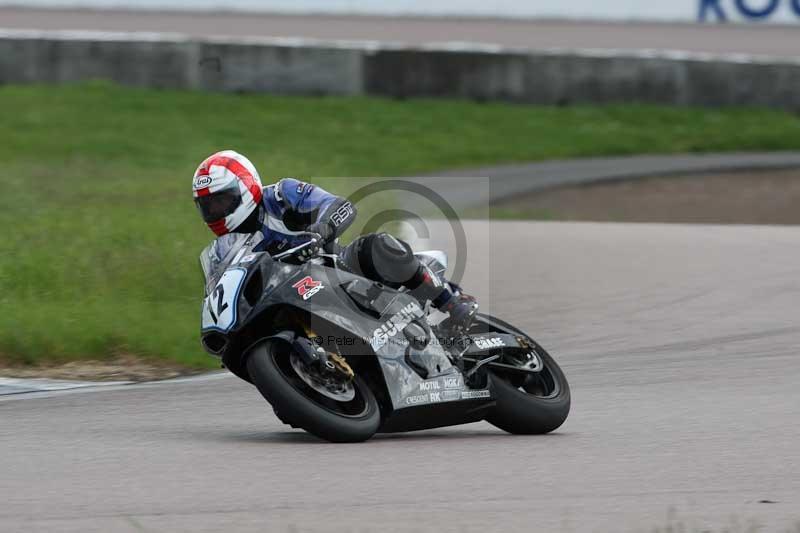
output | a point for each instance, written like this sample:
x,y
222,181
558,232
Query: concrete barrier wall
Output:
x,y
562,78
305,67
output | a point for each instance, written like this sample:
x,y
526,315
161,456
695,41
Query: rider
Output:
x,y
231,199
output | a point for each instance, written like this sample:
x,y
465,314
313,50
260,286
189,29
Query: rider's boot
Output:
x,y
447,297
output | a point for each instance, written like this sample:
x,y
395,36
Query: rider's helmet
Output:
x,y
226,189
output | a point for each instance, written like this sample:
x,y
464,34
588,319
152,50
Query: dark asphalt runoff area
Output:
x,y
681,346
482,186
712,38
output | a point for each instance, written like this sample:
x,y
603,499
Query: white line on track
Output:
x,y
18,389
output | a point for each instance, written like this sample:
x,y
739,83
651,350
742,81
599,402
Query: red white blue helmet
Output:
x,y
226,189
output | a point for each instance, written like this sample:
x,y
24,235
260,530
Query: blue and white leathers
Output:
x,y
290,207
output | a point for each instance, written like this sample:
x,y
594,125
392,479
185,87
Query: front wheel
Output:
x,y
337,412
531,404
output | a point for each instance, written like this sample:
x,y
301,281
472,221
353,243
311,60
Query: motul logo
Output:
x,y
307,287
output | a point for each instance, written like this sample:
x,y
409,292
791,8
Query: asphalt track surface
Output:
x,y
680,343
716,39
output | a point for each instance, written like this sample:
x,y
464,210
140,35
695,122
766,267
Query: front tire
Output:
x,y
534,405
353,421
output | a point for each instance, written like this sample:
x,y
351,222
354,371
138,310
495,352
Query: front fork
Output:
x,y
313,353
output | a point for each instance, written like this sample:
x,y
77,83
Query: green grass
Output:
x,y
101,237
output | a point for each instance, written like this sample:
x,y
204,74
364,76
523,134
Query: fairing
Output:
x,y
362,318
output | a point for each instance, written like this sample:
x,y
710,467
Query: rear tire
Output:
x,y
299,406
522,413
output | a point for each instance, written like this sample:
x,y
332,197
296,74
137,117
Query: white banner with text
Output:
x,y
705,11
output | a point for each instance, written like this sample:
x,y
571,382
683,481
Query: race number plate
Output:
x,y
219,307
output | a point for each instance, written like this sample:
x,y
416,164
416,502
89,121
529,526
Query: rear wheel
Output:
x,y
530,404
334,409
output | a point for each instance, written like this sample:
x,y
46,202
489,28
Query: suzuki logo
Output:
x,y
307,287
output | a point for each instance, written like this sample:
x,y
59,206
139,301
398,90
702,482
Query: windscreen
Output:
x,y
220,254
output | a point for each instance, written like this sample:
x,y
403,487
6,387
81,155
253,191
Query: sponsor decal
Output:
x,y
341,215
475,394
307,287
395,325
417,400
429,386
488,344
202,182
445,395
453,383
451,395
720,10
301,188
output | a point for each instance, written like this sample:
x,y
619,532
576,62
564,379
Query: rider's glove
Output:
x,y
324,230
312,249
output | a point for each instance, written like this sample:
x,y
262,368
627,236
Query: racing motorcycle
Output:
x,y
344,357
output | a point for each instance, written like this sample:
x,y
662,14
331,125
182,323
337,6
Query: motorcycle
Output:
x,y
344,357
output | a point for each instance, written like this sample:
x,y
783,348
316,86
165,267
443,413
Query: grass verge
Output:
x,y
101,238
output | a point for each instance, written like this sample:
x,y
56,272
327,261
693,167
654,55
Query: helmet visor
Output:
x,y
219,204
